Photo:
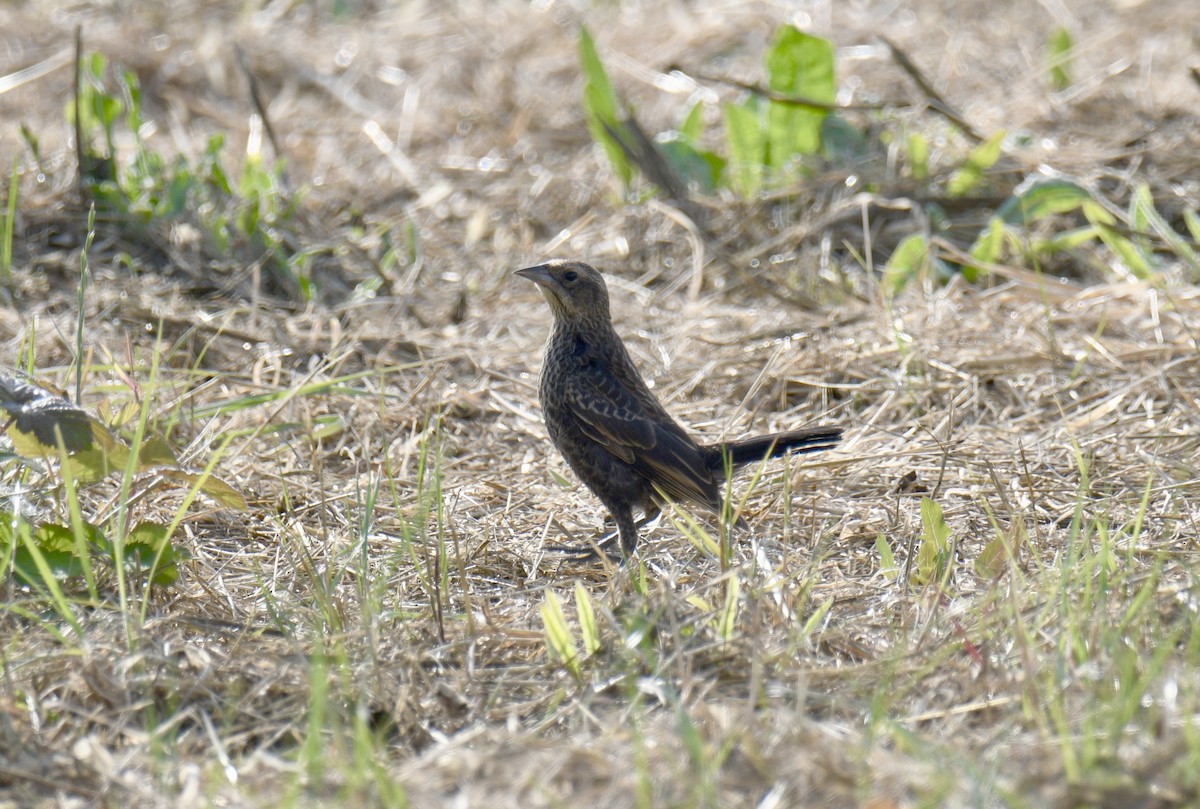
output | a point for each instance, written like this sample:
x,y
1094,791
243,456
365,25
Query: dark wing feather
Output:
x,y
619,421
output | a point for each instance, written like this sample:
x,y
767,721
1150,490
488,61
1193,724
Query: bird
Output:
x,y
612,430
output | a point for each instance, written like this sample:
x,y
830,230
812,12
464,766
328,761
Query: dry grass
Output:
x,y
368,631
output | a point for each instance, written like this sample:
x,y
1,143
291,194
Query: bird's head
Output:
x,y
575,291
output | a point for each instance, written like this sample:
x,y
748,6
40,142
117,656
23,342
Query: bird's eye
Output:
x,y
570,276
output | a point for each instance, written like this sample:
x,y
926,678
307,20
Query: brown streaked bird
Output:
x,y
612,431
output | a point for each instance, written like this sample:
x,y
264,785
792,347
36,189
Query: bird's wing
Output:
x,y
613,417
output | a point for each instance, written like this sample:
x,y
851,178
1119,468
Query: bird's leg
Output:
x,y
616,545
650,513
604,545
627,530
609,543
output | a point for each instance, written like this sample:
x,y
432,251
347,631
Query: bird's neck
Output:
x,y
590,329
594,338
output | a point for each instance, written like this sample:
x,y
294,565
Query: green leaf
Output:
x,y
1066,240
327,426
909,259
588,630
918,155
993,559
747,147
32,565
697,168
155,451
798,65
148,551
1147,217
970,175
1128,252
128,82
211,485
990,563
558,635
1042,199
1060,52
814,620
842,142
106,455
988,248
1192,220
933,557
887,560
693,124
1097,213
600,104
50,549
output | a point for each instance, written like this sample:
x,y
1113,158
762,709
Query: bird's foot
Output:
x,y
607,547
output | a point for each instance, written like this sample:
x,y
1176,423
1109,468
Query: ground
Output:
x,y
985,597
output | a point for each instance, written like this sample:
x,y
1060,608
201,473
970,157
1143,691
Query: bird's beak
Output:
x,y
539,275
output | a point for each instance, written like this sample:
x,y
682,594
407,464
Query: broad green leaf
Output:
x,y
693,124
970,175
991,560
50,548
558,635
588,631
697,168
798,64
107,454
1097,213
148,550
994,558
933,523
933,557
747,147
104,454
154,451
918,155
1060,47
909,259
1042,199
32,566
887,560
600,104
988,248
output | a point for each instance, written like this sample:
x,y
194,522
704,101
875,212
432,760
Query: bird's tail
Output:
x,y
749,450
